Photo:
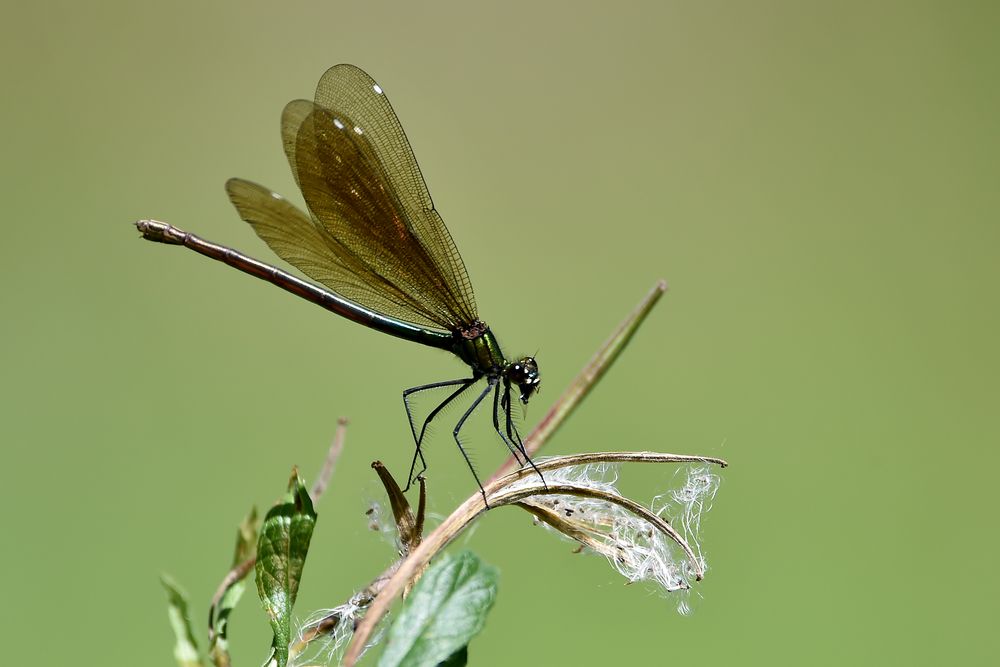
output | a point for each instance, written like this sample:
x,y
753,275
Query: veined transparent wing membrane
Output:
x,y
349,90
372,234
295,238
289,232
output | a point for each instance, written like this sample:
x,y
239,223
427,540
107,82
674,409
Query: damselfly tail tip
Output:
x,y
161,232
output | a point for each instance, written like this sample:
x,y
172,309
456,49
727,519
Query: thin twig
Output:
x,y
336,447
624,457
329,623
587,378
473,506
572,529
231,578
511,490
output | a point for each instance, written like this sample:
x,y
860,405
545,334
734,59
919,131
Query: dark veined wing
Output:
x,y
295,238
373,235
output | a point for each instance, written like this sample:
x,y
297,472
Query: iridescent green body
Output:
x,y
478,347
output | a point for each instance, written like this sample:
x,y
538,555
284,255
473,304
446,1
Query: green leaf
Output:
x,y
185,648
446,609
281,555
459,658
246,540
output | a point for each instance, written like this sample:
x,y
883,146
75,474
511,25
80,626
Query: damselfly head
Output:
x,y
524,373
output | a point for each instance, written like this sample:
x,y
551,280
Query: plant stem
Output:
x,y
474,505
587,378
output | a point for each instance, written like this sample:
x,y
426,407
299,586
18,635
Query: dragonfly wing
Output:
x,y
362,186
295,238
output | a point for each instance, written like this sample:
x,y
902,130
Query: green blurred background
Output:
x,y
818,182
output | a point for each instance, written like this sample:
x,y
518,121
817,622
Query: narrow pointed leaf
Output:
x,y
235,585
446,609
281,555
185,648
